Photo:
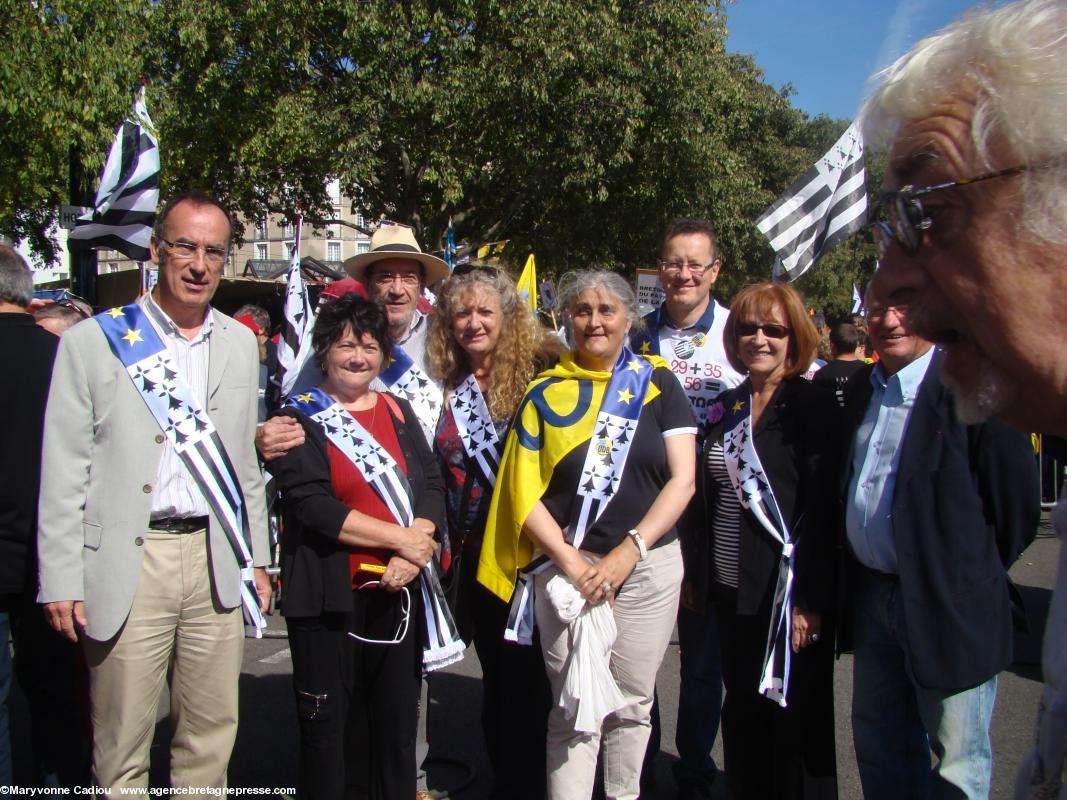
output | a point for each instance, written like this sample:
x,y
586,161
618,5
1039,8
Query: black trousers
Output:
x,y
53,679
357,703
516,696
770,751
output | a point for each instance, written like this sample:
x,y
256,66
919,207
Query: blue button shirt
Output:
x,y
875,460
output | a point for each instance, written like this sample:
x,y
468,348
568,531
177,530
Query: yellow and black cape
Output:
x,y
556,415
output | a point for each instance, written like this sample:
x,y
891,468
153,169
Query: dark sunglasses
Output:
x,y
907,219
771,331
68,303
480,269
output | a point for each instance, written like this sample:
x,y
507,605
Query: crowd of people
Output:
x,y
462,475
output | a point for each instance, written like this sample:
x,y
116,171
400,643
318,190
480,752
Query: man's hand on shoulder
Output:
x,y
277,436
65,617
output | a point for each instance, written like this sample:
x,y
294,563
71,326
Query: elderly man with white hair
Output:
x,y
974,241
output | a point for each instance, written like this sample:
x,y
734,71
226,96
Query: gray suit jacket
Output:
x,y
102,449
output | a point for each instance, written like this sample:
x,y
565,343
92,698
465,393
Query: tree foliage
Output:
x,y
572,128
67,69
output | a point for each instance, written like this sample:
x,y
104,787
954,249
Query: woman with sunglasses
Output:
x,y
485,346
363,498
768,478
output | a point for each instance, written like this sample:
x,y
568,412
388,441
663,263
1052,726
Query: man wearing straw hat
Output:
x,y
395,271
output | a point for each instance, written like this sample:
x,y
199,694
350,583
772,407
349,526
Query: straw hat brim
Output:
x,y
435,268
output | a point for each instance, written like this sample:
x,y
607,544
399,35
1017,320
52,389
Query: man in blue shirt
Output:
x,y
935,512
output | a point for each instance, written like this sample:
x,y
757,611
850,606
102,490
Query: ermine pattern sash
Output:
x,y
404,377
755,493
379,469
188,428
605,460
476,428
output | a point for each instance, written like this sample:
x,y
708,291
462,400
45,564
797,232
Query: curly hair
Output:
x,y
524,348
362,316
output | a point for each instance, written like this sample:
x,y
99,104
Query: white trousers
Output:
x,y
645,611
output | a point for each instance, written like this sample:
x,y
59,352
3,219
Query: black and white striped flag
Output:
x,y
125,208
294,345
825,206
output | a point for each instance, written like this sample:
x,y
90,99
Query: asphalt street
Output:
x,y
265,753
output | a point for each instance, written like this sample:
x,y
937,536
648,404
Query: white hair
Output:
x,y
1015,58
573,284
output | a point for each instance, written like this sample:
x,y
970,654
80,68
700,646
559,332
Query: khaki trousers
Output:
x,y
174,625
644,611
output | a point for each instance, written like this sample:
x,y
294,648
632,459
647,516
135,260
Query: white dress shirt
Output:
x,y
176,493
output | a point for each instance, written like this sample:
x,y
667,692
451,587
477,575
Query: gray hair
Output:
x,y
573,284
16,280
259,315
1015,57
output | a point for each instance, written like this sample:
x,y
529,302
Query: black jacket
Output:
x,y
797,438
964,507
315,566
27,352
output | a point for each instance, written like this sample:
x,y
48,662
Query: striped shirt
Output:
x,y
726,520
176,493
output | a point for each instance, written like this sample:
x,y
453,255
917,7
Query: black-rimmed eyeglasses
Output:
x,y
907,219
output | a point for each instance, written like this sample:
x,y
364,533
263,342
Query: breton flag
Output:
x,y
125,208
294,344
527,284
825,206
857,301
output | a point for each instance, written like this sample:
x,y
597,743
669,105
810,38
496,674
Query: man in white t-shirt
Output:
x,y
686,330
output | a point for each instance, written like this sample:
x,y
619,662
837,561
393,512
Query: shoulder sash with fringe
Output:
x,y
755,493
564,408
402,376
381,472
180,417
476,428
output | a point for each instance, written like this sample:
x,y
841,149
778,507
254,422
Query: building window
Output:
x,y
288,230
289,248
262,251
261,231
333,250
333,189
363,246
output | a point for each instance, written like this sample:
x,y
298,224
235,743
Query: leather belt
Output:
x,y
178,524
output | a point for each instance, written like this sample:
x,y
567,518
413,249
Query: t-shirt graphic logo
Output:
x,y
683,348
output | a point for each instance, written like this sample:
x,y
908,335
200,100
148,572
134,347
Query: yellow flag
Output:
x,y
527,284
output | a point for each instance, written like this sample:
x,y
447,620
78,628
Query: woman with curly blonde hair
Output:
x,y
485,346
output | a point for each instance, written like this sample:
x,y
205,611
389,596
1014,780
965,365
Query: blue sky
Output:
x,y
828,48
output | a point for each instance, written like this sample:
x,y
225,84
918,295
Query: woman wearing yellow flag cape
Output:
x,y
597,468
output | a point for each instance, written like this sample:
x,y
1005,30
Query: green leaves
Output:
x,y
576,129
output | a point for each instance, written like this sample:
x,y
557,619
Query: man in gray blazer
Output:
x,y
134,554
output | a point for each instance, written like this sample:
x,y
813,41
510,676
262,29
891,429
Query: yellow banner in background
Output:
x,y
527,284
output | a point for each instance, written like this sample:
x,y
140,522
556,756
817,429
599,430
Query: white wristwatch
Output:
x,y
639,542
